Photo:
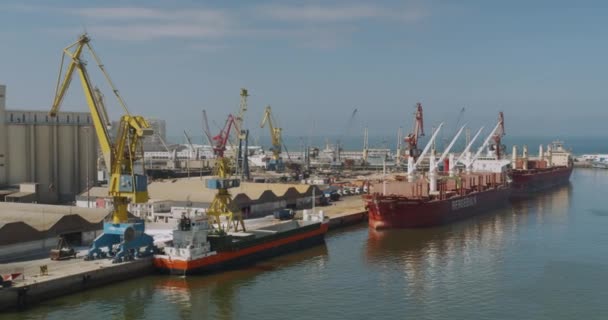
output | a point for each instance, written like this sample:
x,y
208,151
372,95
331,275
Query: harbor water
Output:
x,y
541,258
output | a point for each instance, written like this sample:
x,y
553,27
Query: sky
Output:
x,y
543,63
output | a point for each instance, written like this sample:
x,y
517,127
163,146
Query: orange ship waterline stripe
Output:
x,y
181,265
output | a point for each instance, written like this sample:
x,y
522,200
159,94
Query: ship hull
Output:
x,y
272,246
530,182
387,212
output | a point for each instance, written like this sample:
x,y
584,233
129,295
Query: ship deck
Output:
x,y
419,189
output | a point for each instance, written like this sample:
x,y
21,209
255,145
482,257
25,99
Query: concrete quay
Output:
x,y
64,277
76,275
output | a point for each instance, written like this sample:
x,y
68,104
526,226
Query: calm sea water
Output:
x,y
543,258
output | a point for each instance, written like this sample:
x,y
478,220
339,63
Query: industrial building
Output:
x,y
27,228
155,142
58,155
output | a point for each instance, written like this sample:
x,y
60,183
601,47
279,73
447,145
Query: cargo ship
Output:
x,y
436,199
470,195
197,249
550,169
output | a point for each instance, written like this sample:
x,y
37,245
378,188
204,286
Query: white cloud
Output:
x,y
141,23
127,14
208,47
341,13
151,31
325,25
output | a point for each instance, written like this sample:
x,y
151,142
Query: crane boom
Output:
x,y
426,149
447,150
485,143
189,141
500,132
238,121
222,138
418,131
102,108
468,147
206,128
275,133
119,156
62,87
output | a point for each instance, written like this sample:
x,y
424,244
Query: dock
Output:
x,y
64,277
348,211
583,164
75,275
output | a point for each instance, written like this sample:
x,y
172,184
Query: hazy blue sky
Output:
x,y
544,63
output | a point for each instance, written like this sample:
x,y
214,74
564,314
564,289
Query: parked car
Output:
x,y
284,214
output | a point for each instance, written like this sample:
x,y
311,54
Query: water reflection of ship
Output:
x,y
214,296
436,256
555,203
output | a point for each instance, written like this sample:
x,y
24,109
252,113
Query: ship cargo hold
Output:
x,y
195,249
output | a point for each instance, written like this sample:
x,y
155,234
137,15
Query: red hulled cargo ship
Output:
x,y
552,168
434,199
195,249
476,194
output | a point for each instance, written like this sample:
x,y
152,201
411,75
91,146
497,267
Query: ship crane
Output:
x,y
412,138
466,153
193,151
498,129
433,164
411,169
275,164
222,205
123,238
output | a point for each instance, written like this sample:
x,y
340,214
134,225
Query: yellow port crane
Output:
x,y
222,205
242,136
240,117
275,164
123,238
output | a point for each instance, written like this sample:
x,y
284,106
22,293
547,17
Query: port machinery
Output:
x,y
123,238
222,205
412,138
275,163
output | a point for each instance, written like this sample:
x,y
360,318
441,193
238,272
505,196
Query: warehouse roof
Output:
x,y
20,194
5,192
44,217
193,189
